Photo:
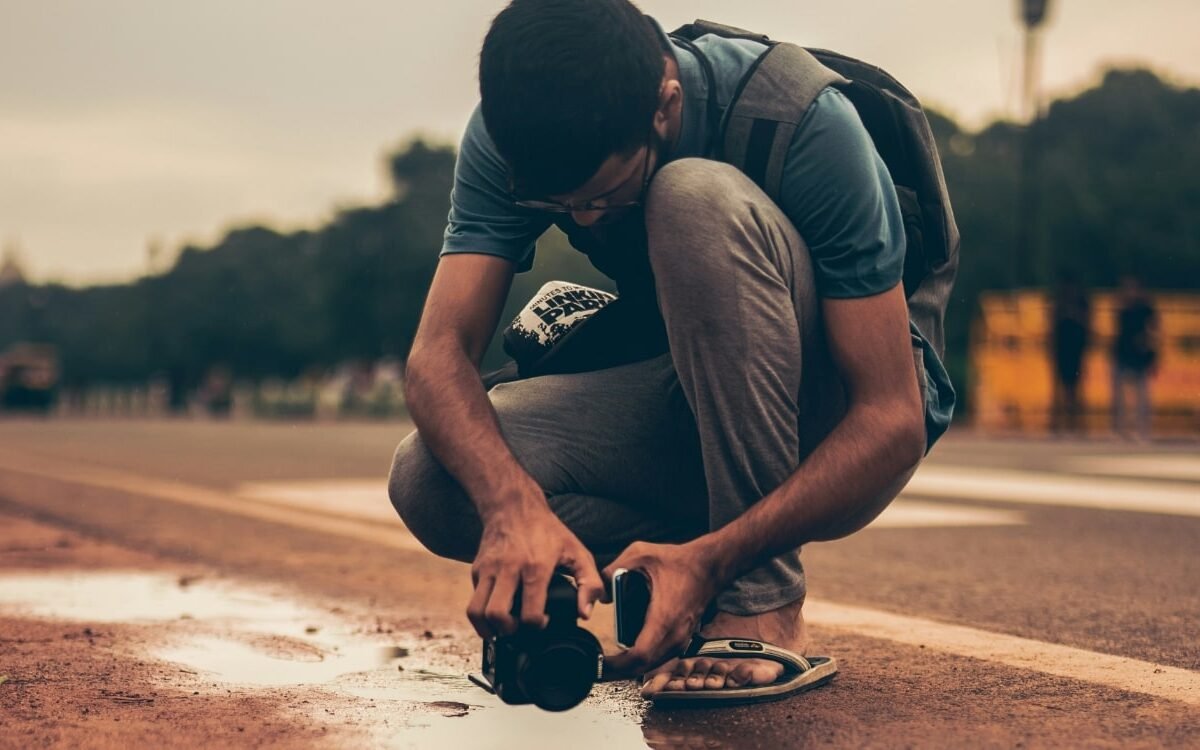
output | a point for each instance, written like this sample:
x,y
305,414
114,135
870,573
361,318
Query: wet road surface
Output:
x,y
247,584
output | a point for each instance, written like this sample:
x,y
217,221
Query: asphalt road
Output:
x,y
1019,594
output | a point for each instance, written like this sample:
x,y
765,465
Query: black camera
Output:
x,y
553,668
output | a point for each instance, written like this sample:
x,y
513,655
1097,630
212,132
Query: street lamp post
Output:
x,y
1033,15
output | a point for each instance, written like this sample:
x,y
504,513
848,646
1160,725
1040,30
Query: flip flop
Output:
x,y
799,673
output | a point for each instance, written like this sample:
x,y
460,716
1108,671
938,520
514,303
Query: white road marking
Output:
x,y
367,499
388,531
1043,488
1157,466
1133,675
358,498
1118,672
904,513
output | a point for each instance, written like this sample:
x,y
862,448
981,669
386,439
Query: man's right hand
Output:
x,y
523,544
523,541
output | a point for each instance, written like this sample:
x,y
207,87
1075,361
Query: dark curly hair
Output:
x,y
565,84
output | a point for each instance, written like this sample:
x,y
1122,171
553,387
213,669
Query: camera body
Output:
x,y
553,668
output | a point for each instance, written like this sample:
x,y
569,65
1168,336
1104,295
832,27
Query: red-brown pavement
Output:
x,y
958,620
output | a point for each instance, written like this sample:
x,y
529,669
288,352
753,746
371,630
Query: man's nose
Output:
x,y
586,218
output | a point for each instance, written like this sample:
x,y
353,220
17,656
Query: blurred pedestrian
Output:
x,y
1069,338
1134,355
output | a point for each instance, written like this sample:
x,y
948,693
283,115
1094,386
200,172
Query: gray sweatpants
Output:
x,y
670,448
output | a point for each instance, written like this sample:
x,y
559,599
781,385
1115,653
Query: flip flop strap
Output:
x,y
746,648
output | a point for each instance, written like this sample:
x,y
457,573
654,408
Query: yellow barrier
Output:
x,y
1013,372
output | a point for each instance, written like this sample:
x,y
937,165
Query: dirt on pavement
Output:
x,y
132,620
71,675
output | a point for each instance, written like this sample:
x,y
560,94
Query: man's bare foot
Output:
x,y
782,627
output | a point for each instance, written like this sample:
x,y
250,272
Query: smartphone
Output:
x,y
631,595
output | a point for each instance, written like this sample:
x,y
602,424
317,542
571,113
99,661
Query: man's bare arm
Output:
x,y
523,541
443,388
843,484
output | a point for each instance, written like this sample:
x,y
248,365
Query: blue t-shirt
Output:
x,y
836,190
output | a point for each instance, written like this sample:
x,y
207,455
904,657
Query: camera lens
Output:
x,y
560,675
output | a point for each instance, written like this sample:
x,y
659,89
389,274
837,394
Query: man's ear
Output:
x,y
670,102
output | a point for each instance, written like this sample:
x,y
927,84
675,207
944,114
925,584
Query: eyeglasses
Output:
x,y
594,204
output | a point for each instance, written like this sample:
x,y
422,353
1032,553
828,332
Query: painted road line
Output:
x,y
367,499
1118,672
389,531
1157,466
1043,488
1088,666
364,498
915,514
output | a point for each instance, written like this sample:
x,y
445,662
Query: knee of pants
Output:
x,y
692,195
431,503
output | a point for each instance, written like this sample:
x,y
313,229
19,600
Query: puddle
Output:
x,y
241,663
224,636
445,710
146,597
234,634
521,727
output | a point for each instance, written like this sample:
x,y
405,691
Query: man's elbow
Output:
x,y
421,369
909,439
432,362
414,369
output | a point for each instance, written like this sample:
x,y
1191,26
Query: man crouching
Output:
x,y
768,391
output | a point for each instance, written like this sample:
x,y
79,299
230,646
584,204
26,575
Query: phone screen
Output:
x,y
631,594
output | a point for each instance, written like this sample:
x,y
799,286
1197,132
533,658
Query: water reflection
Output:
x,y
147,597
227,636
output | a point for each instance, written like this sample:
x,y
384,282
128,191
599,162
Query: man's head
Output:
x,y
1131,286
572,96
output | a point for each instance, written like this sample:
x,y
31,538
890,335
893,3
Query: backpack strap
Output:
x,y
771,101
700,27
712,113
768,105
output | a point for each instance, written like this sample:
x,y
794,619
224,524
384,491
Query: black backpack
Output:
x,y
753,135
771,100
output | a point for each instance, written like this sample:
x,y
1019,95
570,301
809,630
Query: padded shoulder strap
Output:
x,y
700,27
770,102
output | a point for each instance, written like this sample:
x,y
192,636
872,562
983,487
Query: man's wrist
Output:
x,y
721,560
521,498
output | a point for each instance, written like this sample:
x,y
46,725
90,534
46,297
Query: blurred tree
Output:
x,y
1120,182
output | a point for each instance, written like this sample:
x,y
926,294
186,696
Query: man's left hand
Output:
x,y
683,581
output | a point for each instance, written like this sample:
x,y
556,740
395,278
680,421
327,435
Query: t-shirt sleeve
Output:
x,y
482,216
839,194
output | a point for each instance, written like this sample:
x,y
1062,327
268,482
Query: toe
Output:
x,y
765,672
655,683
697,674
679,675
657,679
754,672
716,676
740,675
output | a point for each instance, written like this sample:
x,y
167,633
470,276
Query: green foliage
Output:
x,y
1118,180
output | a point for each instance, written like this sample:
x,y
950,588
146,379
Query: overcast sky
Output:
x,y
125,122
